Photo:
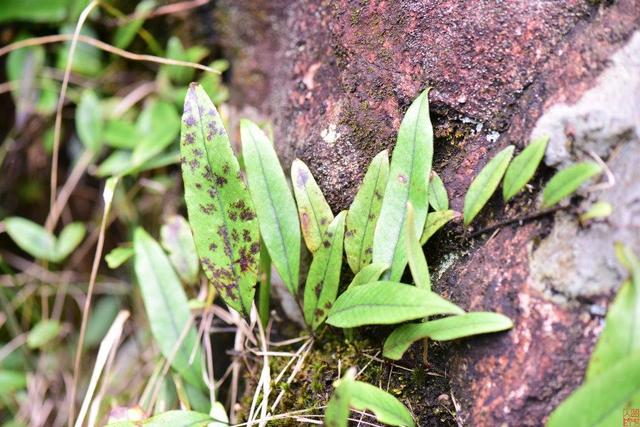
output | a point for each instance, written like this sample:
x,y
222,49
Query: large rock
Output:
x,y
336,77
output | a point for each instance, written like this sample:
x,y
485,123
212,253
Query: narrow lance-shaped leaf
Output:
x,y
485,184
567,181
315,214
417,261
621,334
435,221
438,198
178,241
449,328
600,401
523,167
369,273
166,306
385,303
337,412
323,279
221,212
408,182
385,407
363,213
276,209
89,121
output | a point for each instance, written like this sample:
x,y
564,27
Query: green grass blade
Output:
x,y
438,198
523,167
323,279
276,209
567,181
221,213
417,261
485,184
435,221
177,239
385,407
385,303
315,214
166,306
409,173
363,213
449,328
369,273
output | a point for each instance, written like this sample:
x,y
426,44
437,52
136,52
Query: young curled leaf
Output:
x,y
523,167
363,213
315,214
435,221
369,273
276,209
567,181
485,184
449,328
323,279
438,198
221,213
408,182
385,303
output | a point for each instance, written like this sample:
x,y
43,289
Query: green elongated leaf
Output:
x,y
523,167
598,210
87,59
601,400
166,305
621,334
435,221
449,328
323,279
417,261
485,184
408,182
567,181
89,121
43,332
385,407
34,10
438,198
385,303
337,412
31,238
220,209
69,239
175,418
125,34
101,319
363,213
177,239
369,273
276,209
313,210
121,134
11,381
175,50
159,125
118,256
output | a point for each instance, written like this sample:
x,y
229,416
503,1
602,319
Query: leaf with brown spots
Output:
x,y
313,210
363,213
276,209
408,182
323,279
221,213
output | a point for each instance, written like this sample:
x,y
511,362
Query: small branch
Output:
x,y
525,218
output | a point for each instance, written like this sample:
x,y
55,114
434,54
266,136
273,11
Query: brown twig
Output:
x,y
522,219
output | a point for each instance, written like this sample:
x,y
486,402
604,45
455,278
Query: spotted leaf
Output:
x,y
221,212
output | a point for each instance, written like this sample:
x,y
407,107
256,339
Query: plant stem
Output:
x,y
265,285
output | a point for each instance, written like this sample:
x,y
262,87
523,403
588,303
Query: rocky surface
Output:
x,y
335,78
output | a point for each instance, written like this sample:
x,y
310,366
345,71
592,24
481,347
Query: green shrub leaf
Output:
x,y
363,213
101,319
125,34
485,184
43,332
435,221
438,198
417,261
276,209
176,238
601,400
166,305
323,279
523,167
369,273
449,328
120,133
385,407
118,256
221,212
89,121
337,412
408,182
31,238
158,125
567,181
315,214
69,238
384,303
11,381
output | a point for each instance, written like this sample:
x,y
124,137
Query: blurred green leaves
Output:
x,y
41,244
